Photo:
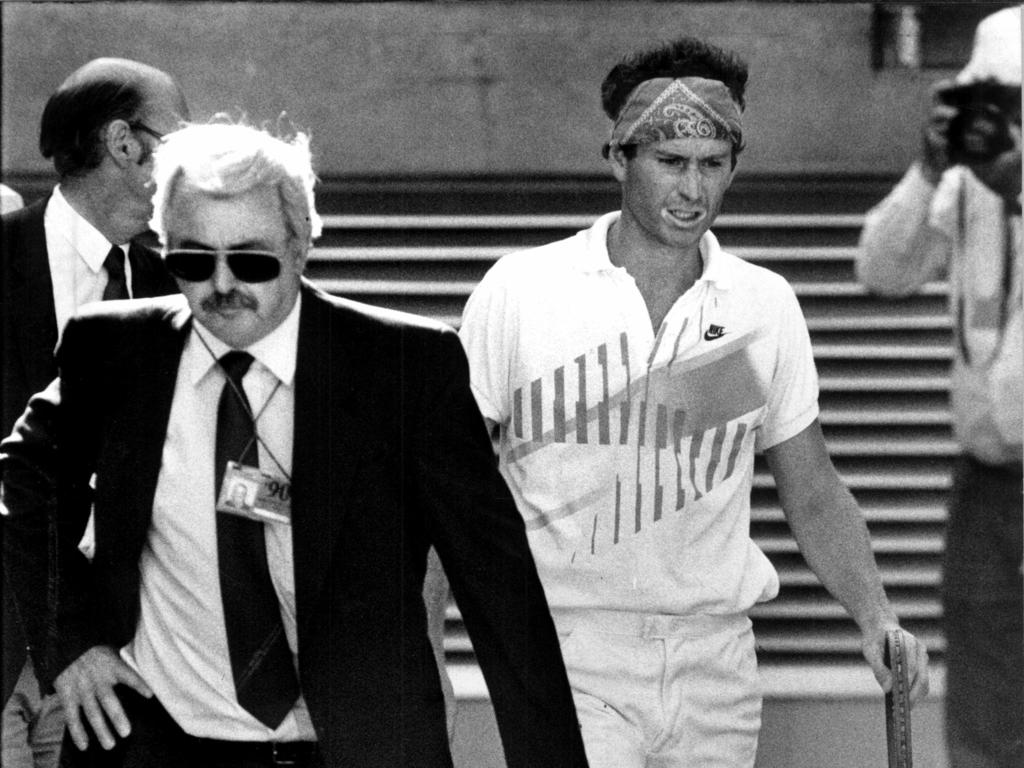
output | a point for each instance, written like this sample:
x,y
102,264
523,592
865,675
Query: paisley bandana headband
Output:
x,y
684,108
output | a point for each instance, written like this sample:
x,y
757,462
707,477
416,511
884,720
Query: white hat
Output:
x,y
997,50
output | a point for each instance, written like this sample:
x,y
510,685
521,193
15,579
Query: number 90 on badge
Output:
x,y
255,493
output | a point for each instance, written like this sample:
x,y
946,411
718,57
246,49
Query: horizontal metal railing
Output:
x,y
573,221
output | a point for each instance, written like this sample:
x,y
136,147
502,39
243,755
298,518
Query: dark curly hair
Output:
x,y
74,116
684,57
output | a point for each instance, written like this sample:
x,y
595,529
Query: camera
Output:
x,y
980,129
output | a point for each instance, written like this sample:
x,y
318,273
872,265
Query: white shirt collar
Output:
x,y
277,351
90,244
715,266
594,256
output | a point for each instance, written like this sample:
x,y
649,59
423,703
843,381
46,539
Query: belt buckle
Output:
x,y
283,753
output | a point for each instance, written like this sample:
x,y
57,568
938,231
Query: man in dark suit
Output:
x,y
296,631
75,246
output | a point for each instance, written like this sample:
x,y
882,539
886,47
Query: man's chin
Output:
x,y
232,326
149,239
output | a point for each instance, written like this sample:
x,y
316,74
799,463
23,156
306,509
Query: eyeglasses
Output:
x,y
141,126
196,266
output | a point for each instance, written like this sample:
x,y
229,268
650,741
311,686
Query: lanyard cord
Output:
x,y
243,400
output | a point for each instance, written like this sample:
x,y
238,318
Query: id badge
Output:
x,y
255,493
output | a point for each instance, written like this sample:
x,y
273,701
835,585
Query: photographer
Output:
x,y
956,214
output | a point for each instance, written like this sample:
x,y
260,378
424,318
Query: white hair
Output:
x,y
224,160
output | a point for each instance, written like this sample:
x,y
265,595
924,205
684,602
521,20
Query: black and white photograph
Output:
x,y
493,384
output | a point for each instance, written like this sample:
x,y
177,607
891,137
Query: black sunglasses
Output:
x,y
196,266
138,125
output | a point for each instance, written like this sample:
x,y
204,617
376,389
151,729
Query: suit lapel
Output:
x,y
36,329
165,371
324,448
148,415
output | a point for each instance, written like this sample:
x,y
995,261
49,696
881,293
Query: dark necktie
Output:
x,y
117,286
261,662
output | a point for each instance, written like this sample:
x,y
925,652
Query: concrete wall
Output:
x,y
455,88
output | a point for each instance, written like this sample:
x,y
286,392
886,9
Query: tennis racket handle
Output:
x,y
897,702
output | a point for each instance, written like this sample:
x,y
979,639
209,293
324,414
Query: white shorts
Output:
x,y
656,691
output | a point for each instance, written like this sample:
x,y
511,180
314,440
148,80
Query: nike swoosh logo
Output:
x,y
710,335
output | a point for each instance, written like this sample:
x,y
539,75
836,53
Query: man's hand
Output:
x,y
935,136
1002,174
873,646
87,684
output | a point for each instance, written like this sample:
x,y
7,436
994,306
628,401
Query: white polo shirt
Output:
x,y
629,452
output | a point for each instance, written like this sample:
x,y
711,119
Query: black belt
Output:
x,y
294,753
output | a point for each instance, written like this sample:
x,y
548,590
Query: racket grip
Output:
x,y
897,703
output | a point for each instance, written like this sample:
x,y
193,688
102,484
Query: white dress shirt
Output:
x,y
10,200
76,251
180,646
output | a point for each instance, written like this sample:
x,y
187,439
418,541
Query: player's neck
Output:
x,y
662,273
97,204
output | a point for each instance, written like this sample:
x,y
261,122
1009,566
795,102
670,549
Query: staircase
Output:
x,y
421,246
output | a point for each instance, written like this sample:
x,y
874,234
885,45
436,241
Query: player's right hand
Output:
x,y
86,686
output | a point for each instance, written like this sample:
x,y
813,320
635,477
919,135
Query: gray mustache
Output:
x,y
230,300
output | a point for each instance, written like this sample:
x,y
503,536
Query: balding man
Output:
x,y
75,246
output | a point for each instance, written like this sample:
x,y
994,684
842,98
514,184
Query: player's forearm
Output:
x,y
834,540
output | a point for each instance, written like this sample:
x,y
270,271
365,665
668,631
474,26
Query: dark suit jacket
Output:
x,y
391,456
28,336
